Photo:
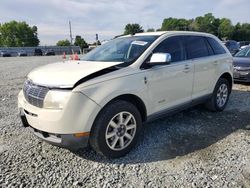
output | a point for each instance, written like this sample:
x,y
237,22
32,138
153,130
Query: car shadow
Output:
x,y
183,133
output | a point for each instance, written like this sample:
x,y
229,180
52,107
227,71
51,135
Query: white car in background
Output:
x,y
243,44
242,47
104,98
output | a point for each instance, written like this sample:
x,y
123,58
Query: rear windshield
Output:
x,y
243,53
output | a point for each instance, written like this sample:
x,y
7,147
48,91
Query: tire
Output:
x,y
111,138
220,96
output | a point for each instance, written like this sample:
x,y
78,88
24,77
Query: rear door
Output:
x,y
200,53
218,59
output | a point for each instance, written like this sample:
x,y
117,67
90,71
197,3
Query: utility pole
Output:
x,y
96,38
70,33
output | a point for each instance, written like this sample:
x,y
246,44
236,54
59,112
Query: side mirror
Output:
x,y
160,59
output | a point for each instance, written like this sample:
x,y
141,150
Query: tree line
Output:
x,y
20,34
79,41
221,27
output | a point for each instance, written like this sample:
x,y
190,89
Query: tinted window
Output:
x,y
196,47
172,46
209,48
217,48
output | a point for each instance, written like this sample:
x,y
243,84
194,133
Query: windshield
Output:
x,y
243,53
124,49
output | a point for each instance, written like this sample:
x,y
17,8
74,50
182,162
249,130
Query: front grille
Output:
x,y
34,94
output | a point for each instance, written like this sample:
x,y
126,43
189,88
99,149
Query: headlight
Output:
x,y
56,99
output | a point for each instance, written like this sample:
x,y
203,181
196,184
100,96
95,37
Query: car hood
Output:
x,y
241,62
66,74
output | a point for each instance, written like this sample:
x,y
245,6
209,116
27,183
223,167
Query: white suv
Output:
x,y
104,98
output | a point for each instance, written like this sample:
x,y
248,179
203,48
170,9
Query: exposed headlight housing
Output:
x,y
56,99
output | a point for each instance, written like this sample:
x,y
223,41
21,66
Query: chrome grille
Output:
x,y
34,94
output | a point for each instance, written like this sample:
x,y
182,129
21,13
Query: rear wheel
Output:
x,y
220,96
116,129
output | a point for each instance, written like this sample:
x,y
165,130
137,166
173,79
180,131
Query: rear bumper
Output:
x,y
68,141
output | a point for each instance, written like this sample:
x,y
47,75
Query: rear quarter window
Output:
x,y
217,48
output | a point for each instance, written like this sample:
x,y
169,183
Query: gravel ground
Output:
x,y
194,148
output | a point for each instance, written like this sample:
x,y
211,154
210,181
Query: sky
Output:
x,y
109,17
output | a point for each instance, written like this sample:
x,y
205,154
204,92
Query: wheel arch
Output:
x,y
229,78
135,100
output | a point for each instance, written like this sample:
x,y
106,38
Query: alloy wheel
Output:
x,y
222,95
120,131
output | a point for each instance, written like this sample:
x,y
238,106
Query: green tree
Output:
x,y
1,40
79,41
225,29
171,24
63,43
151,30
241,32
207,23
17,34
132,29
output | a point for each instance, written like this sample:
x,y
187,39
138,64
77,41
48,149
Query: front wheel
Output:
x,y
116,129
220,96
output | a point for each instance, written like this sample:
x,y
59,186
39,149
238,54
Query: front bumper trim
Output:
x,y
68,141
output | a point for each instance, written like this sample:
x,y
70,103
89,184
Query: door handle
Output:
x,y
186,69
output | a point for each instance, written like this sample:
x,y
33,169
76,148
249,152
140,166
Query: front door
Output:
x,y
170,85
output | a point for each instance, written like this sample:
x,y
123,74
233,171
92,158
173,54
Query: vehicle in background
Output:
x,y
242,47
4,53
49,52
241,63
232,46
38,52
243,44
22,53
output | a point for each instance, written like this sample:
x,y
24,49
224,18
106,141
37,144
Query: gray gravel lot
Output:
x,y
194,148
